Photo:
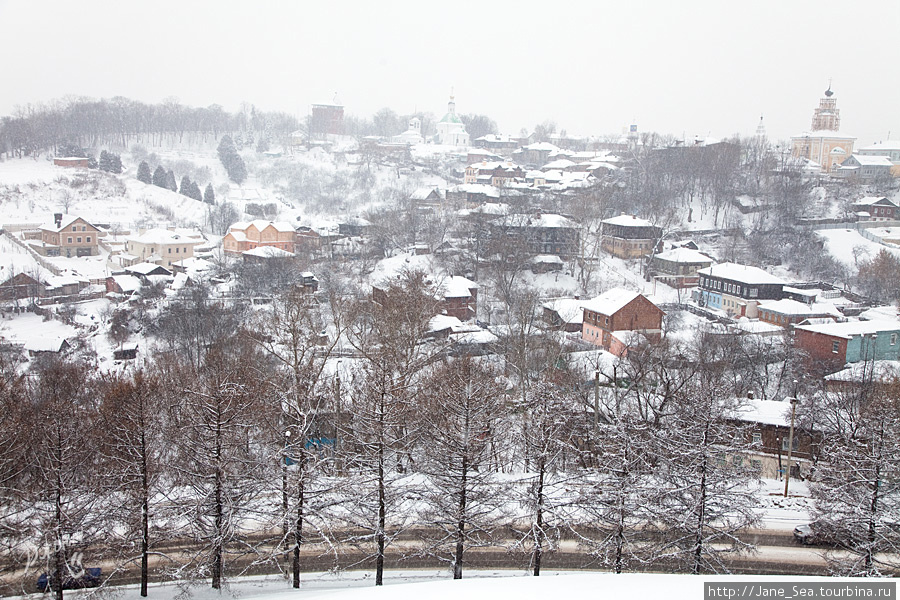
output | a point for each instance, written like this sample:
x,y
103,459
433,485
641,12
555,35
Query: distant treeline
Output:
x,y
120,122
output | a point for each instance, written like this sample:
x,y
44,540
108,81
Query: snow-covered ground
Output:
x,y
849,246
475,585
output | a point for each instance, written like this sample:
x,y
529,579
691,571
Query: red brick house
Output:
x,y
460,297
612,318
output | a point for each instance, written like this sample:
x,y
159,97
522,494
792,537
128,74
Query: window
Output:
x,y
737,460
754,292
78,239
757,439
170,250
176,250
893,339
756,464
88,239
835,347
69,240
784,443
607,320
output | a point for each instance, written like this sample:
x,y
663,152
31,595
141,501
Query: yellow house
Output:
x,y
161,247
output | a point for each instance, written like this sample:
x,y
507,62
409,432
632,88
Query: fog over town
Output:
x,y
314,298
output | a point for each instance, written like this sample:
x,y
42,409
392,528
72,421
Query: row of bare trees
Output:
x,y
307,433
120,122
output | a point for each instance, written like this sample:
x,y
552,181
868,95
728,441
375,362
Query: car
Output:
x,y
815,533
86,578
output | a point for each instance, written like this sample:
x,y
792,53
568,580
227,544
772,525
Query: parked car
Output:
x,y
87,578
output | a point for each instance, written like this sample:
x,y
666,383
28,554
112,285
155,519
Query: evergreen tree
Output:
x,y
209,196
185,188
104,163
143,173
194,192
170,181
231,160
159,177
115,164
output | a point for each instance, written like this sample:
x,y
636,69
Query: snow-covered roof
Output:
x,y
757,327
684,255
541,220
611,301
479,337
628,221
441,322
743,273
422,193
162,237
766,412
886,145
569,310
145,268
268,252
261,224
851,329
866,160
871,200
44,344
127,283
546,258
877,370
457,287
193,264
542,146
64,222
786,306
561,163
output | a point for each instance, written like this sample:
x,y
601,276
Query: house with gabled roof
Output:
x,y
865,169
678,267
613,320
736,289
68,235
832,345
876,208
628,236
161,247
243,236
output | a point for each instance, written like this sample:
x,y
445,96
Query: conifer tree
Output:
x,y
194,192
209,196
185,188
159,177
143,173
170,181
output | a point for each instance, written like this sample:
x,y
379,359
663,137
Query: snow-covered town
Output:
x,y
262,351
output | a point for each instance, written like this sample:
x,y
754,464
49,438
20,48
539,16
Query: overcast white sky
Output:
x,y
693,67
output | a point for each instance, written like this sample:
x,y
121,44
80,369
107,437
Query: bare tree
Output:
x,y
133,417
62,491
463,421
389,333
855,487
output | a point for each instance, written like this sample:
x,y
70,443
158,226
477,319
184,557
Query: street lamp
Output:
x,y
787,474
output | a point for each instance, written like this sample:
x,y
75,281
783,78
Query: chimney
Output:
x,y
57,218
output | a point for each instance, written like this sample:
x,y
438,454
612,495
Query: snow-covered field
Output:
x,y
849,246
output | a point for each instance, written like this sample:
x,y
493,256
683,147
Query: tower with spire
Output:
x,y
827,117
451,131
823,143
761,129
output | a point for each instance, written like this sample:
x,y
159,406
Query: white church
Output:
x,y
450,130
